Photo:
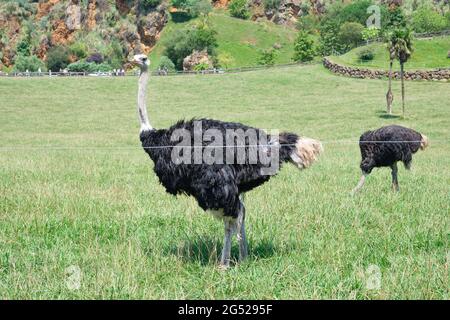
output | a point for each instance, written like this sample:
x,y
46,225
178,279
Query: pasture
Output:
x,y
76,190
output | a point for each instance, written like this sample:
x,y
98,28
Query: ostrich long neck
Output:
x,y
142,108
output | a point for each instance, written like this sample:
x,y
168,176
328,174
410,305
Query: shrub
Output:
x,y
370,34
79,49
272,4
425,19
303,47
267,57
201,66
366,54
239,9
308,23
95,57
30,63
148,4
350,34
193,37
166,64
57,58
23,48
198,7
81,66
193,7
225,60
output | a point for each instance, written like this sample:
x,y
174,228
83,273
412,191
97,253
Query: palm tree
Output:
x,y
402,46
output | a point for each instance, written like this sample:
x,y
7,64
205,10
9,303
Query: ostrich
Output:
x,y
386,146
218,188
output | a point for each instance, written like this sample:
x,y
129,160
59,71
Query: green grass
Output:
x,y
428,54
241,39
97,204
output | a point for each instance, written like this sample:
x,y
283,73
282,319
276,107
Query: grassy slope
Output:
x,y
102,209
427,54
240,38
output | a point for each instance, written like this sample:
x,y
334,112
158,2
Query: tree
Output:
x,y
30,63
58,58
303,48
427,20
350,34
402,48
239,9
166,64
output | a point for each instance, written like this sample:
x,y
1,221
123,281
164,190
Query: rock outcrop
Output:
x,y
150,26
196,58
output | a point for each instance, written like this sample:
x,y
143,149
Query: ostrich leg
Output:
x,y
360,183
241,236
230,228
394,177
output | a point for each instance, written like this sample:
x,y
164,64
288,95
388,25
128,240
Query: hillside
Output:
x,y
428,54
240,39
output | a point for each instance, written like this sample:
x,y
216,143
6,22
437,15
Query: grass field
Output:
x,y
427,54
77,190
240,39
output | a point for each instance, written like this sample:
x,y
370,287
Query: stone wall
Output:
x,y
442,74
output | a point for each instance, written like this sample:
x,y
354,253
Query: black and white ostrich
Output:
x,y
218,188
386,146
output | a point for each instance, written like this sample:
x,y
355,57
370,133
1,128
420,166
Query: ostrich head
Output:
x,y
141,61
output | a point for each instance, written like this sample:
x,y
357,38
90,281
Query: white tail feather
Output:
x,y
306,152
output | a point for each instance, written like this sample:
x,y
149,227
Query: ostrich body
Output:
x,y
386,146
218,188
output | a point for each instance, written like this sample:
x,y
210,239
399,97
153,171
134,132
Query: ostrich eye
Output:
x,y
144,59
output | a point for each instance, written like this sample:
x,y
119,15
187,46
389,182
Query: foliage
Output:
x,y
329,41
95,57
350,34
239,9
271,4
23,48
57,58
395,18
193,7
81,66
370,34
225,60
201,66
303,47
366,54
425,19
148,4
166,64
84,66
401,42
79,49
181,43
267,57
308,23
26,62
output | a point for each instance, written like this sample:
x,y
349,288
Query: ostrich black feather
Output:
x,y
214,186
